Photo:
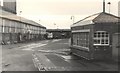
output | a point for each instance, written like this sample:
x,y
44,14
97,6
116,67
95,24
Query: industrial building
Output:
x,y
14,29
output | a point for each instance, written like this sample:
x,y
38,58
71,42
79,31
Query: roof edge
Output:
x,y
87,17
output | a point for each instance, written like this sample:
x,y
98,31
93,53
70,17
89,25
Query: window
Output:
x,y
101,38
81,39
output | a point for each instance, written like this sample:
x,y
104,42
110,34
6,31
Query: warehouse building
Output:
x,y
18,29
14,29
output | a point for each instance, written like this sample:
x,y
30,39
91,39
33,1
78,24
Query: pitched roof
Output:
x,y
8,15
97,18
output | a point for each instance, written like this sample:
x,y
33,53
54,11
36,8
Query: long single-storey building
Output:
x,y
14,29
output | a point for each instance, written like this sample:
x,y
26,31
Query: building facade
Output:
x,y
14,29
58,33
96,36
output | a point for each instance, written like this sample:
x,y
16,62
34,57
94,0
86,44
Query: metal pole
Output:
x,y
109,6
103,5
20,15
20,24
55,25
73,18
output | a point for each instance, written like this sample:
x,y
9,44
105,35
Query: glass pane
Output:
x,y
102,42
95,34
106,41
95,42
98,34
103,34
106,35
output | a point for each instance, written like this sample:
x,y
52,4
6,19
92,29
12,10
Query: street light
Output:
x,y
109,3
55,25
20,15
39,21
73,18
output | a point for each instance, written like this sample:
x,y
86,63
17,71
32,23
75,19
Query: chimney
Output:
x,y
104,6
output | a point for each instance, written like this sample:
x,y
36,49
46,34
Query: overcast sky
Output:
x,y
48,12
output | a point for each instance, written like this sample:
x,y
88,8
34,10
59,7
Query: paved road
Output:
x,y
18,57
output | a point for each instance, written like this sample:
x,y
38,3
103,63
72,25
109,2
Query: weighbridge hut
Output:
x,y
96,36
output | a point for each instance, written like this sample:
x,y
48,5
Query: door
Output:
x,y
115,46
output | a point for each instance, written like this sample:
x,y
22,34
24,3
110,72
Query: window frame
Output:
x,y
100,38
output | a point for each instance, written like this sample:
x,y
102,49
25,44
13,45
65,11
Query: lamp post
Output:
x,y
55,25
20,15
20,12
109,3
39,21
73,18
20,36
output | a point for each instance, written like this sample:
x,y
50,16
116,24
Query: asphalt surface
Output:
x,y
18,57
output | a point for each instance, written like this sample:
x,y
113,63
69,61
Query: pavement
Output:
x,y
53,55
